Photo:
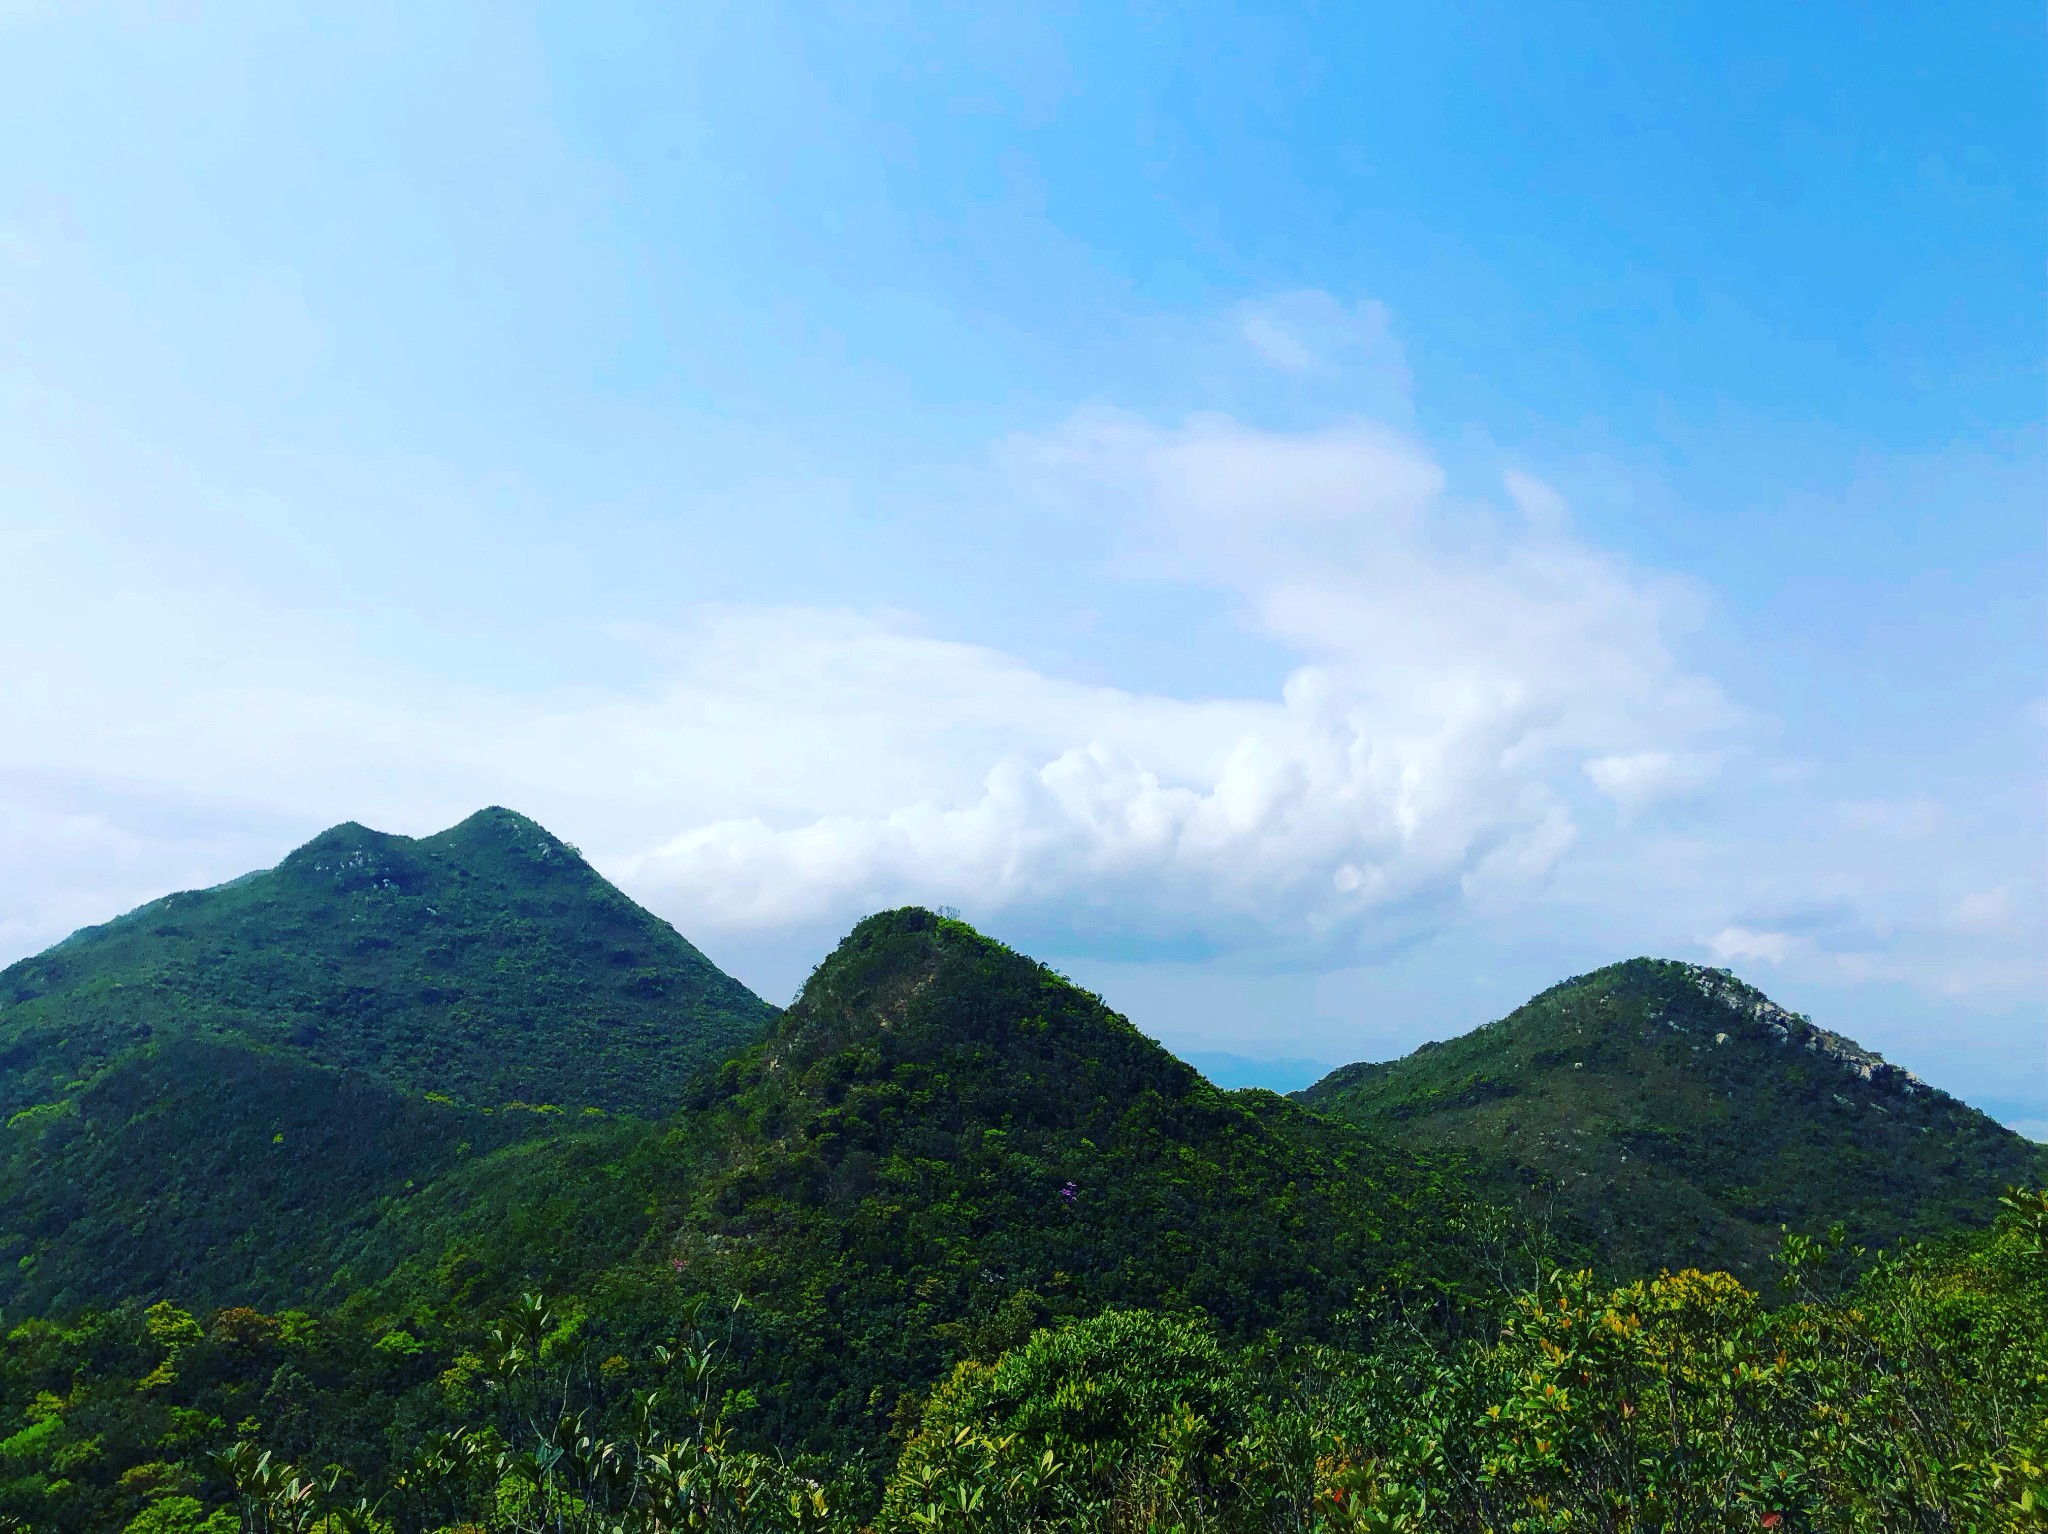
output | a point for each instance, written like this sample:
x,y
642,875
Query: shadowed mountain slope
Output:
x,y
1678,1117
219,1173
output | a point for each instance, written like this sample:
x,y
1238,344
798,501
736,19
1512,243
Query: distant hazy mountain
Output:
x,y
1674,1115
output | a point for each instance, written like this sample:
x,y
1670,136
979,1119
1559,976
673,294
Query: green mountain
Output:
x,y
323,1086
216,1172
489,963
951,1213
1674,1116
941,1146
219,1095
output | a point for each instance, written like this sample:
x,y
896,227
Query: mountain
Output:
x,y
941,1146
1674,1116
219,1095
489,964
219,1173
944,1176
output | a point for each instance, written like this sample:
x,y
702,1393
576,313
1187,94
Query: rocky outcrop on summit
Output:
x,y
1785,1027
1680,1117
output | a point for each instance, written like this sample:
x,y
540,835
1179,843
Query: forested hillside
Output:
x,y
1669,1115
941,1146
1915,1400
489,963
433,1186
219,1095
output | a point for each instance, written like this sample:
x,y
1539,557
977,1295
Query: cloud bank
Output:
x,y
1468,681
1463,677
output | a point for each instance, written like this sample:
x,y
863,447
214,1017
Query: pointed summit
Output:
x,y
488,963
1679,1117
909,985
216,1095
952,1144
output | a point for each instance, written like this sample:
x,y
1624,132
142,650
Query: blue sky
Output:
x,y
1319,521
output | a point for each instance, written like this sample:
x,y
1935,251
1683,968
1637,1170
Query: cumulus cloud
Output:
x,y
1479,711
1738,945
1636,779
1456,679
1460,678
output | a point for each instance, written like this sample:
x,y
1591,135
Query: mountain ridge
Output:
x,y
488,962
221,1093
483,986
941,1146
1681,1116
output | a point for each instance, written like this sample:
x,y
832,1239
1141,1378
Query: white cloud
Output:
x,y
1481,730
1737,945
1311,331
1637,779
1455,679
1983,911
1277,345
1544,507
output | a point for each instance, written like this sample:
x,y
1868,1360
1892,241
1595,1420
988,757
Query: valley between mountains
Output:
x,y
282,1157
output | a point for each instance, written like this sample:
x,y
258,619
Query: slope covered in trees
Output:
x,y
216,1172
489,963
1917,1399
941,1146
948,1244
221,1094
1678,1117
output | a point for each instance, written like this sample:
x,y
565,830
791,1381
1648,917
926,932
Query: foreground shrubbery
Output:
x,y
1916,1398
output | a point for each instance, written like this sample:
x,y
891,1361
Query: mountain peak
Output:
x,y
352,856
494,841
946,1121
487,962
921,984
494,826
887,951
1683,1116
1744,1010
1754,1009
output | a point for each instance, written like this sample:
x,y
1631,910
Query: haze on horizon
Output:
x,y
1318,525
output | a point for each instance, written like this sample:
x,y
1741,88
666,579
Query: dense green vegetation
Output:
x,y
1673,1116
215,1172
941,1146
950,1245
1915,1399
219,1095
490,964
